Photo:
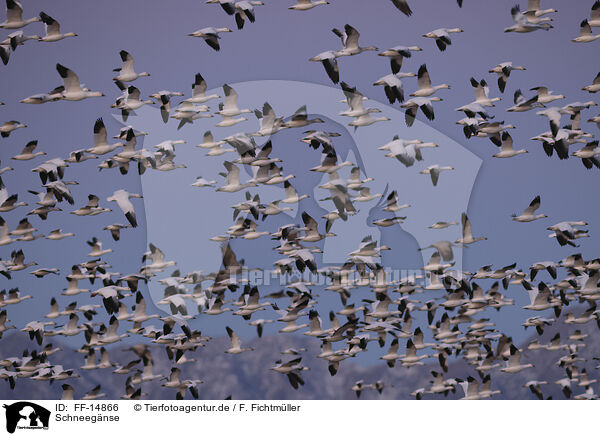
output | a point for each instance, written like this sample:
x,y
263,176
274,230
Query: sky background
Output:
x,y
277,47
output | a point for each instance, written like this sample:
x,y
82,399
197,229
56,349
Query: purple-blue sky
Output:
x,y
278,47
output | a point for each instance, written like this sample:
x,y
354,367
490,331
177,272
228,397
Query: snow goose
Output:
x,y
397,54
269,123
503,71
121,197
232,183
434,171
355,99
53,30
8,202
544,96
595,86
482,91
291,196
585,33
594,20
199,91
18,38
442,224
236,345
329,163
393,86
5,238
188,112
506,149
366,120
522,24
407,151
424,83
14,16
413,105
411,358
127,72
565,231
444,248
100,140
528,214
243,9
230,107
442,36
57,235
300,119
72,88
392,355
588,154
115,230
305,5
522,104
349,39
10,126
130,102
514,365
27,153
467,232
329,61
388,222
210,35
201,182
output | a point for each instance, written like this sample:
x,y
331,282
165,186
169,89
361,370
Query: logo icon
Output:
x,y
26,415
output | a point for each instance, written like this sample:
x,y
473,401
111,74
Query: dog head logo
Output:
x,y
26,415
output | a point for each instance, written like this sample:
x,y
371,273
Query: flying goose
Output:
x,y
121,197
10,126
329,61
305,5
27,153
416,103
210,35
595,86
424,83
528,214
72,88
442,36
522,24
482,91
514,365
544,96
523,104
291,196
434,172
349,39
467,233
14,16
199,91
397,54
393,86
127,72
503,71
506,149
53,29
585,33
232,183
300,119
236,345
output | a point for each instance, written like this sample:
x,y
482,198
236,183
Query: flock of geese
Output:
x,y
454,301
